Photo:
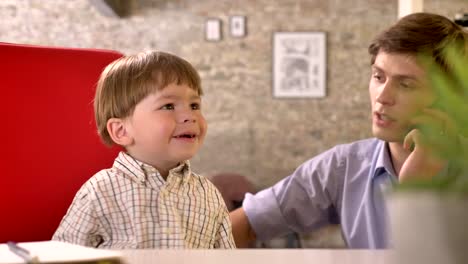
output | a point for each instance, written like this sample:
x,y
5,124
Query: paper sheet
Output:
x,y
60,252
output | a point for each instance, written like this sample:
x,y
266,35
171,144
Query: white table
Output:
x,y
259,256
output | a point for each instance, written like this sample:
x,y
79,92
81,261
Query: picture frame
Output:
x,y
238,26
213,30
299,64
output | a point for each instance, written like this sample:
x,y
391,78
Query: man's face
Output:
x,y
398,91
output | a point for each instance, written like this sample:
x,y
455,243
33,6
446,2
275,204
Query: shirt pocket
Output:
x,y
202,227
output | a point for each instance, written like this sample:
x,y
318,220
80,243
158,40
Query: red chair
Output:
x,y
50,145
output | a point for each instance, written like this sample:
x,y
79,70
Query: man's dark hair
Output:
x,y
421,34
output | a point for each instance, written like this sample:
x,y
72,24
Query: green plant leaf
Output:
x,y
451,88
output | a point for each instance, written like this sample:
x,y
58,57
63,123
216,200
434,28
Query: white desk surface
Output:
x,y
259,256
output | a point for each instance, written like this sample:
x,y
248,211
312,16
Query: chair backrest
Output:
x,y
232,187
50,145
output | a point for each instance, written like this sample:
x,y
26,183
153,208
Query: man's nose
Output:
x,y
386,94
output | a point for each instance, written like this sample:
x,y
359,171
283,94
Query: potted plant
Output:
x,y
429,218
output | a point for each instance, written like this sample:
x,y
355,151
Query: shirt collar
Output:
x,y
384,164
384,161
140,171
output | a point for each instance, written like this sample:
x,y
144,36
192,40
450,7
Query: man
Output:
x,y
346,184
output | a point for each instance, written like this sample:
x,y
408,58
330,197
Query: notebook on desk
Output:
x,y
59,252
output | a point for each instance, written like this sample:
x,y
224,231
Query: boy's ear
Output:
x,y
116,127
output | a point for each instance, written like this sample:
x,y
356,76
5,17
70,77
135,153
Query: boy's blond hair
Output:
x,y
126,81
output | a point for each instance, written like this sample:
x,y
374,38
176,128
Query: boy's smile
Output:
x,y
186,136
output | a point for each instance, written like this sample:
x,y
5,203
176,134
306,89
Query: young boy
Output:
x,y
150,105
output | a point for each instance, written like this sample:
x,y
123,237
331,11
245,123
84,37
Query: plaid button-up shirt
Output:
x,y
131,206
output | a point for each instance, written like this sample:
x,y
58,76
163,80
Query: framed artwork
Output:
x,y
238,26
213,29
299,64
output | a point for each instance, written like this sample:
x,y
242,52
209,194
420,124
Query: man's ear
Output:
x,y
116,127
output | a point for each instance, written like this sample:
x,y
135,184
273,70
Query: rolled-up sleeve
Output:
x,y
300,202
264,214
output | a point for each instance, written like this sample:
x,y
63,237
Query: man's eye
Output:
x,y
168,107
376,76
195,106
405,85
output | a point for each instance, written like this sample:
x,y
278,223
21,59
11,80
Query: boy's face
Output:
x,y
398,91
167,127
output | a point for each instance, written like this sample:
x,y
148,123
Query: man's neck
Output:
x,y
398,155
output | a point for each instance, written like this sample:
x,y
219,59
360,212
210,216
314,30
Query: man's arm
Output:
x,y
298,203
241,228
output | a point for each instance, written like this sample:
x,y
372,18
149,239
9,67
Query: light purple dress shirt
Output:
x,y
344,185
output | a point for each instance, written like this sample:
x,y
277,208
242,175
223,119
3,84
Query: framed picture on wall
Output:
x,y
237,26
213,29
299,64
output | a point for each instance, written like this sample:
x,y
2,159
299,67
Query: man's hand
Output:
x,y
434,138
422,163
